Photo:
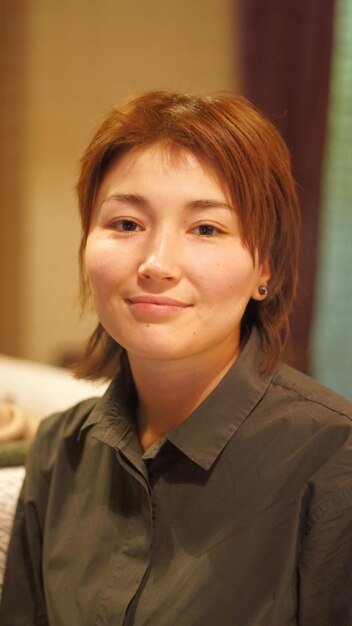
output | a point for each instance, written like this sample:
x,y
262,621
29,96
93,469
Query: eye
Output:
x,y
206,230
126,226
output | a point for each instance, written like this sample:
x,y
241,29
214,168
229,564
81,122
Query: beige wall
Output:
x,y
81,57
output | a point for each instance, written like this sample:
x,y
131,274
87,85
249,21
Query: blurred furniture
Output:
x,y
41,389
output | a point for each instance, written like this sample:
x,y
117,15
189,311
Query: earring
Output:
x,y
263,290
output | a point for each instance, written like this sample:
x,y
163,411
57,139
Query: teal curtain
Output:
x,y
331,347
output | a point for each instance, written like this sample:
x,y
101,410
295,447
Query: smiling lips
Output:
x,y
155,306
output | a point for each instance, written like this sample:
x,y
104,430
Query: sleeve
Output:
x,y
23,596
22,599
325,571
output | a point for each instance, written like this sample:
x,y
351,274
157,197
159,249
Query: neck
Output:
x,y
169,391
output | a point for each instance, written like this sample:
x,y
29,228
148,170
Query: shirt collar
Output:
x,y
205,433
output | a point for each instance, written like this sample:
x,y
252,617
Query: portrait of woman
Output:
x,y
211,485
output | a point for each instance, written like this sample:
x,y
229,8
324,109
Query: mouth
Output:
x,y
156,306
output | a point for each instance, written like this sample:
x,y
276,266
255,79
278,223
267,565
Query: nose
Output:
x,y
160,262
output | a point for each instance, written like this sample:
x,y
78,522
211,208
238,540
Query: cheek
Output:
x,y
228,279
101,265
97,270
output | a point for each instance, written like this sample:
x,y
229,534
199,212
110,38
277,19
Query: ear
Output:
x,y
262,287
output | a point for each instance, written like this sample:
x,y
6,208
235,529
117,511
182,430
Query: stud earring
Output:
x,y
263,290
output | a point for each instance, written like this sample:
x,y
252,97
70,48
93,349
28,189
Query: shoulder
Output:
x,y
55,432
311,429
306,423
318,424
295,388
65,424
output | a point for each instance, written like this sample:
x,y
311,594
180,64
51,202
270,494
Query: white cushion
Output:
x,y
42,389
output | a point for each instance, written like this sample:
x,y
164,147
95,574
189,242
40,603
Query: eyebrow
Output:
x,y
127,198
208,204
138,200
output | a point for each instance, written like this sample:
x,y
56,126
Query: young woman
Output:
x,y
209,486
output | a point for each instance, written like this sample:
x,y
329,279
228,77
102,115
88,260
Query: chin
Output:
x,y
155,351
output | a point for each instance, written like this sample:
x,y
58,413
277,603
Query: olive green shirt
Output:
x,y
241,516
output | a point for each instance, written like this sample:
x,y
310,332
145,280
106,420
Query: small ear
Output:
x,y
262,288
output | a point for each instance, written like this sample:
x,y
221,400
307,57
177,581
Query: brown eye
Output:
x,y
126,226
206,230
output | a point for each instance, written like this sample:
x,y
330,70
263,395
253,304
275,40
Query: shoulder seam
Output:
x,y
310,399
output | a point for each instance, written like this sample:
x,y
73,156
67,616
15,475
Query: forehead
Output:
x,y
175,161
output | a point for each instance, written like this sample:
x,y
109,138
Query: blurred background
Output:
x,y
63,64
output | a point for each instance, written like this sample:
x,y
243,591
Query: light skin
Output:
x,y
170,279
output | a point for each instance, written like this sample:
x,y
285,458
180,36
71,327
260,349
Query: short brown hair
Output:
x,y
253,162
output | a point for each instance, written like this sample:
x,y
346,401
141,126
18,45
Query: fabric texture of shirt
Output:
x,y
240,516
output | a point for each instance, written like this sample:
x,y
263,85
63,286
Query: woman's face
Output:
x,y
169,275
